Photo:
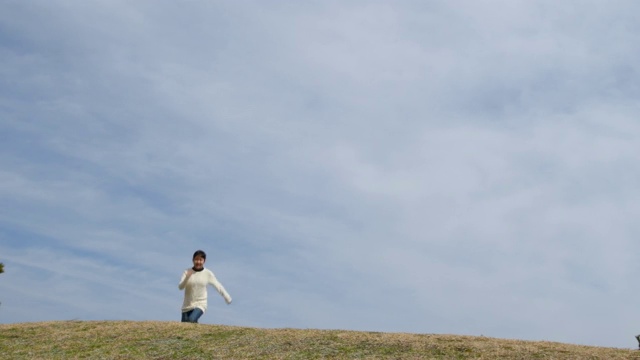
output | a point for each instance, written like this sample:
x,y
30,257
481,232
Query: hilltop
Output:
x,y
174,340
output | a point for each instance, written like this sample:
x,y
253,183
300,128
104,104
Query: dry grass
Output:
x,y
173,340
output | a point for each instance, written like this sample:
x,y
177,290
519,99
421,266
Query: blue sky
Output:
x,y
452,167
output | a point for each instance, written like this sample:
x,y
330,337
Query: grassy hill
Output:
x,y
174,340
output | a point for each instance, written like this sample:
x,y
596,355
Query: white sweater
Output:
x,y
195,289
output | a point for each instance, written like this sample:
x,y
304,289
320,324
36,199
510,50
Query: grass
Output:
x,y
174,340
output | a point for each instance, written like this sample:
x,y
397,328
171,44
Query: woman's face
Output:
x,y
198,262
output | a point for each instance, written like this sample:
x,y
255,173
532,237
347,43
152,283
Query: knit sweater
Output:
x,y
195,289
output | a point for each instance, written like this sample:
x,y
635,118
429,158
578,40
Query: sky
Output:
x,y
466,167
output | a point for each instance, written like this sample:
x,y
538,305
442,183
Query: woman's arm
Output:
x,y
216,284
185,277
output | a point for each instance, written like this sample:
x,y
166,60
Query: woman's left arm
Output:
x,y
216,284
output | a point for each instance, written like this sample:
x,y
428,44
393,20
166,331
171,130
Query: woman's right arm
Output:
x,y
185,277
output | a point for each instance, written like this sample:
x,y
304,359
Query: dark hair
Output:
x,y
200,253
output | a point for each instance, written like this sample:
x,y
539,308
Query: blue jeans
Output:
x,y
192,316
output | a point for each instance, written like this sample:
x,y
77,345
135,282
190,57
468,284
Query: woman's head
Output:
x,y
200,253
199,258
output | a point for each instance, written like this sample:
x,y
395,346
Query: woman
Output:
x,y
194,281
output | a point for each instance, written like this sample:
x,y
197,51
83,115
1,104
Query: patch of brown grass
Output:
x,y
174,340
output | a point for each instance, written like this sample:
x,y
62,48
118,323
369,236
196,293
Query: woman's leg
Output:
x,y
185,316
195,315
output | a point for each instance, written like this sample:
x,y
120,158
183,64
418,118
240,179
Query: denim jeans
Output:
x,y
192,316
